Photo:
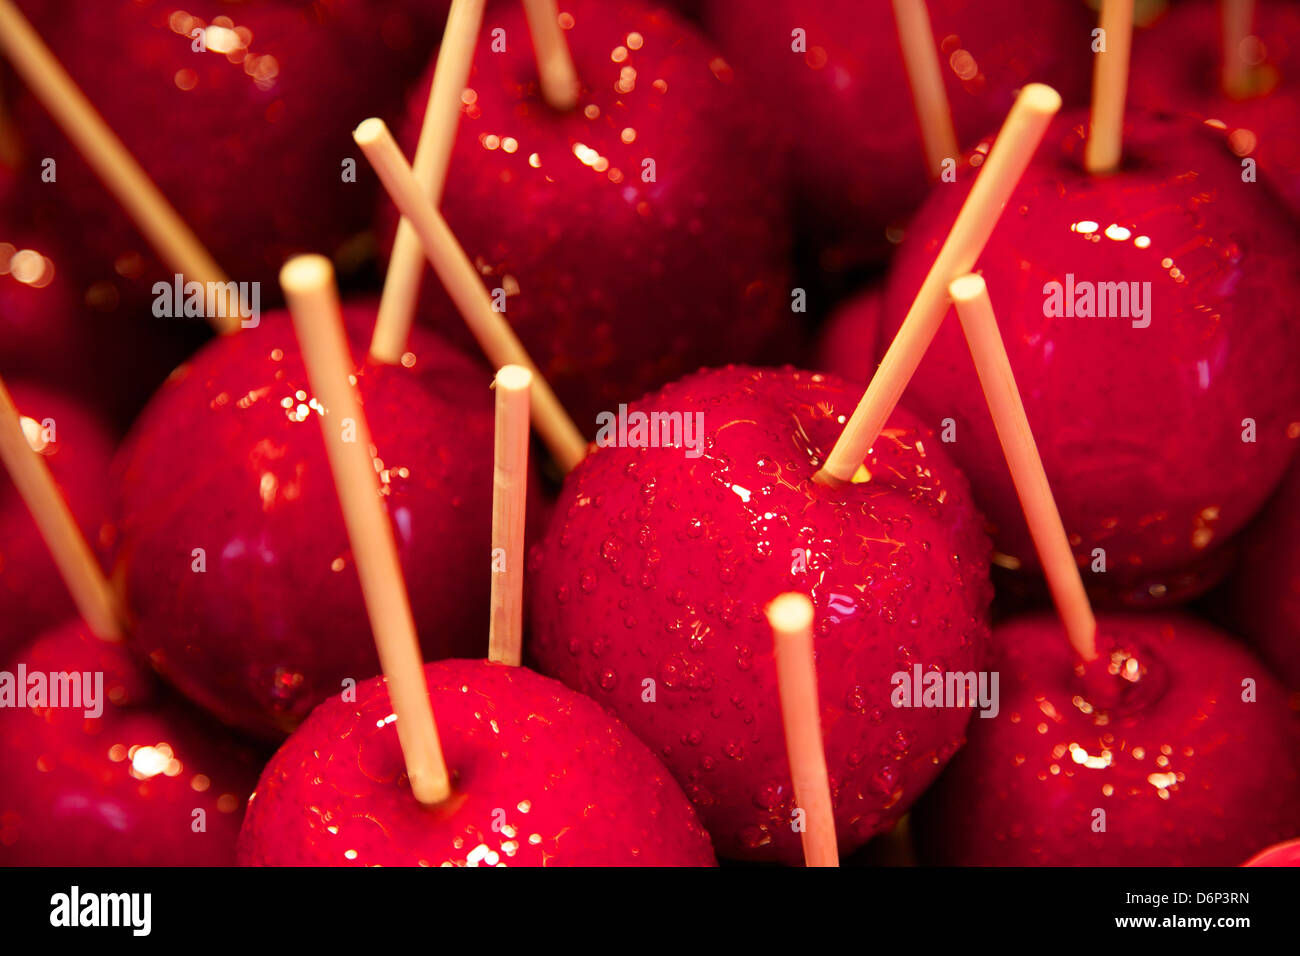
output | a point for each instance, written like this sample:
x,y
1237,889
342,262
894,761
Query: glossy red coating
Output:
x,y
1177,63
1263,594
656,568
540,777
846,343
1282,854
121,789
617,284
247,137
77,447
1179,768
1141,429
837,98
228,457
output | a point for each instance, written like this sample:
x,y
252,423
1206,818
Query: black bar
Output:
x,y
931,905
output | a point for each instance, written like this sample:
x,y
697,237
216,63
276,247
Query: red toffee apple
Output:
x,y
37,309
1176,750
57,329
649,587
247,138
1177,65
1283,854
115,771
644,232
540,777
1151,322
837,97
78,448
1263,594
228,458
846,343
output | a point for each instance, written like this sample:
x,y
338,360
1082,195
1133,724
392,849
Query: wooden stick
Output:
x,y
791,619
308,283
555,68
95,599
1101,154
432,156
926,79
1010,154
1238,17
465,286
509,501
971,297
130,185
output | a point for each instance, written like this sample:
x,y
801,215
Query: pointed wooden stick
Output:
x,y
432,155
1010,154
925,77
308,283
95,599
1238,18
465,286
509,500
559,79
130,185
971,297
791,619
1101,154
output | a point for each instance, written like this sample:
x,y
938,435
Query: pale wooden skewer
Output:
x,y
509,501
791,619
130,185
971,297
95,599
308,283
1101,154
401,292
1238,17
925,77
555,70
465,286
1010,154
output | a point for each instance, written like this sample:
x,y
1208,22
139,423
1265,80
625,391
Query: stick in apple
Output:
x,y
916,38
95,599
308,283
1109,86
509,500
432,155
970,295
465,286
1237,16
1010,154
559,79
791,619
130,185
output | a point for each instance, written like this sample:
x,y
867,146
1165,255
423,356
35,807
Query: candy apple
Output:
x,y
649,587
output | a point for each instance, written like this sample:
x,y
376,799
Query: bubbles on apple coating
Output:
x,y
730,529
269,620
1142,421
1183,753
540,777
